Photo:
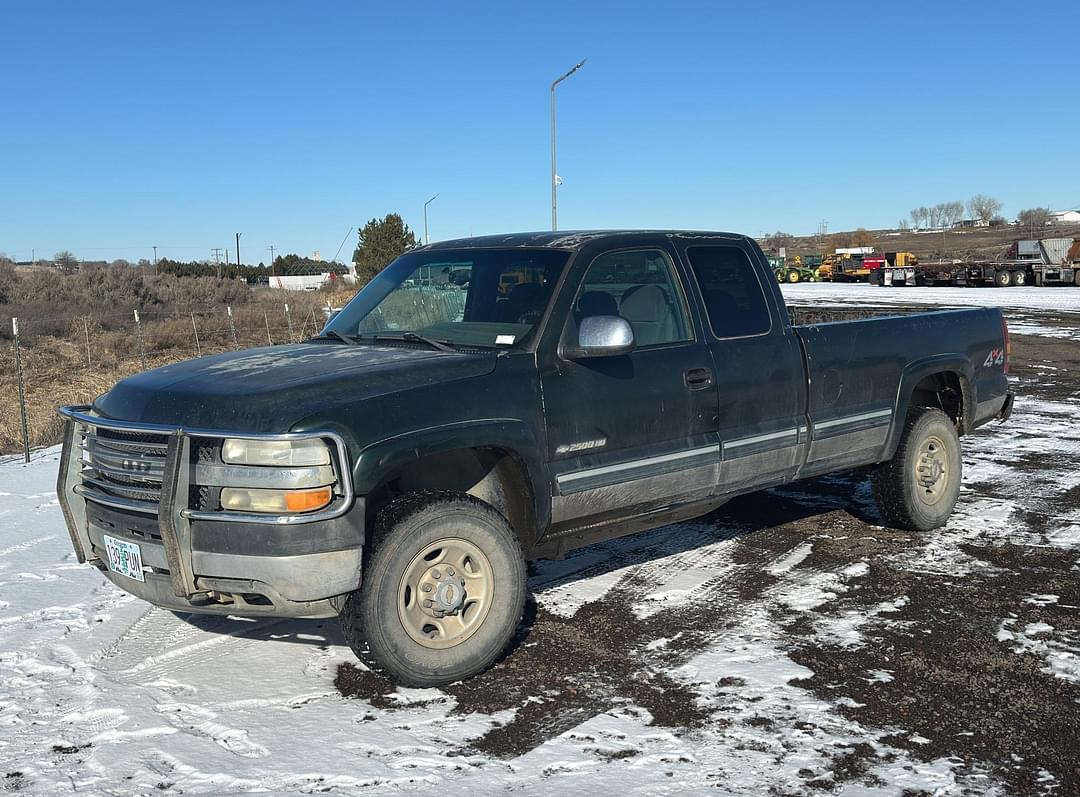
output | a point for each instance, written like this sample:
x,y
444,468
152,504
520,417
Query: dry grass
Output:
x,y
54,350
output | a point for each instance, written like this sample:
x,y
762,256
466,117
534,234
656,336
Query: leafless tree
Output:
x,y
919,216
1034,217
983,207
66,262
902,224
779,239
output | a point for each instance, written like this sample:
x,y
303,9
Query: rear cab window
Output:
x,y
734,300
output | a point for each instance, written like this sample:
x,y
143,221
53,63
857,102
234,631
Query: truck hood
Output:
x,y
269,389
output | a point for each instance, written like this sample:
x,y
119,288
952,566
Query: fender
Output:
x,y
376,459
914,373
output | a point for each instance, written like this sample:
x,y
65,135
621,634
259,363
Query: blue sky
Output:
x,y
129,125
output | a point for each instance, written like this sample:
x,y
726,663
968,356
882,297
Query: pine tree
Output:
x,y
381,241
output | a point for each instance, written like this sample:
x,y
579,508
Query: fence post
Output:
x,y
314,324
142,343
266,321
86,336
22,392
232,329
195,329
288,320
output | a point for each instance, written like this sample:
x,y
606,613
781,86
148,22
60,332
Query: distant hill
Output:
x,y
982,243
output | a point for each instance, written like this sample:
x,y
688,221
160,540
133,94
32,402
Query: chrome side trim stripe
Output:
x,y
853,419
761,438
642,464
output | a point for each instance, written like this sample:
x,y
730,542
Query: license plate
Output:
x,y
125,558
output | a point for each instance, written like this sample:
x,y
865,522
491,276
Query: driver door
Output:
x,y
638,431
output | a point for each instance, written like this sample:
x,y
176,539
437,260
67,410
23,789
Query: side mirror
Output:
x,y
602,336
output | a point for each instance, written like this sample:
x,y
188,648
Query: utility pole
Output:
x,y
427,238
271,248
238,248
155,255
554,176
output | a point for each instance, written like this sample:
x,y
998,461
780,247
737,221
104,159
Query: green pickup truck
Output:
x,y
486,401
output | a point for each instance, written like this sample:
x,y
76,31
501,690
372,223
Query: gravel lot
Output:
x,y
785,644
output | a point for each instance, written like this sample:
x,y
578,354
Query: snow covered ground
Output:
x,y
1060,299
778,645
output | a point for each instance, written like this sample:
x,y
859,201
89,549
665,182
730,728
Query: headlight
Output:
x,y
282,453
277,501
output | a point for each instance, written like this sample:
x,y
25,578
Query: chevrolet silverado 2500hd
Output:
x,y
486,401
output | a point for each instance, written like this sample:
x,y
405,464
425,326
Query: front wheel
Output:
x,y
793,277
443,590
917,489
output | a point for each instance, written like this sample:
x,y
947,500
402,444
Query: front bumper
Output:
x,y
214,562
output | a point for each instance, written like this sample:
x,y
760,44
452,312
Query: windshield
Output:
x,y
471,297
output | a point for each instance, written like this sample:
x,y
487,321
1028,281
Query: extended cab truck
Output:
x,y
400,468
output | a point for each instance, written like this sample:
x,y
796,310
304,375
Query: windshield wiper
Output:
x,y
413,337
333,333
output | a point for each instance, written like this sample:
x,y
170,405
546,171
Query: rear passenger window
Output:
x,y
729,284
640,286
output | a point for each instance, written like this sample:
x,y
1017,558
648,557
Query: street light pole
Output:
x,y
554,177
155,255
238,248
427,239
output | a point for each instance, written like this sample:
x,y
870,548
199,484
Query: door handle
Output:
x,y
698,378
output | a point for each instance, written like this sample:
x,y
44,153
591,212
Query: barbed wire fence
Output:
x,y
62,358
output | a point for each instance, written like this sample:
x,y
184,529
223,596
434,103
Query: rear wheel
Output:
x,y
1019,277
793,276
443,590
1003,278
1076,277
917,489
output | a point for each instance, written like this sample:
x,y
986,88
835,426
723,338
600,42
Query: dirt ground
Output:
x,y
945,681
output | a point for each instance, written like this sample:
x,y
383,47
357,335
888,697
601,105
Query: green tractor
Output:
x,y
793,271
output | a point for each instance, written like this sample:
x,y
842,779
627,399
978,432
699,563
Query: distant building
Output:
x,y
1065,217
311,282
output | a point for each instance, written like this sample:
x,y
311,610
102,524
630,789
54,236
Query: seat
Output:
x,y
649,312
524,298
596,303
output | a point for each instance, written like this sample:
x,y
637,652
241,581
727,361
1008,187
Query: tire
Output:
x,y
811,278
1019,277
917,489
1003,278
876,277
423,544
1076,276
793,277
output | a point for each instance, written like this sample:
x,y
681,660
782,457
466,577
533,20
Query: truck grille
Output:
x,y
124,465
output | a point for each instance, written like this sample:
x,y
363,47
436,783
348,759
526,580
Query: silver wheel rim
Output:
x,y
444,594
931,470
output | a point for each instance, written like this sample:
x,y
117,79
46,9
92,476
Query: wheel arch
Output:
x,y
495,461
944,382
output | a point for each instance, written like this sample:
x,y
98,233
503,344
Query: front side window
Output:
x,y
638,285
729,285
471,297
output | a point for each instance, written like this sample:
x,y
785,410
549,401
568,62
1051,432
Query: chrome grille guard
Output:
x,y
174,514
